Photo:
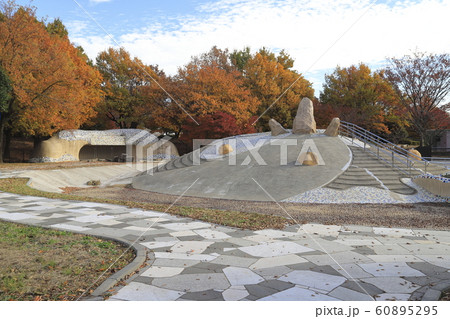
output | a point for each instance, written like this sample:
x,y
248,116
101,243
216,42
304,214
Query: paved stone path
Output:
x,y
193,260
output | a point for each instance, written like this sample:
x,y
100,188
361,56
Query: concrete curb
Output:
x,y
141,256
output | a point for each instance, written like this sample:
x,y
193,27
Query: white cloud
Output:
x,y
92,45
76,27
319,34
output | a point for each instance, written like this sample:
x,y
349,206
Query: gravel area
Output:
x,y
411,215
365,195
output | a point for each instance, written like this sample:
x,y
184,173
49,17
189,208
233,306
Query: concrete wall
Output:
x,y
436,186
444,140
77,145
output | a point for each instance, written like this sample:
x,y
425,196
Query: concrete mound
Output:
x,y
249,174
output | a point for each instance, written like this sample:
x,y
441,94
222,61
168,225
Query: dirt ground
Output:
x,y
426,215
5,167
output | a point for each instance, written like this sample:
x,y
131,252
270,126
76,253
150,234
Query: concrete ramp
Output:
x,y
219,179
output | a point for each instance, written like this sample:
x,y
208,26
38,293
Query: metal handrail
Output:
x,y
387,151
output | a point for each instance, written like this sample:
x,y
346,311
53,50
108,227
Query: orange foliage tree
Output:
x,y
124,79
162,112
363,97
268,76
210,85
52,86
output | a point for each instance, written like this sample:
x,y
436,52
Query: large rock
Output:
x,y
304,122
333,128
276,128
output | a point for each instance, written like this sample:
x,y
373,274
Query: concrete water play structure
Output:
x,y
179,258
266,167
75,145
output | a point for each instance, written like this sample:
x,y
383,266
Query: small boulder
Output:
x,y
225,149
304,122
415,154
276,128
93,183
333,128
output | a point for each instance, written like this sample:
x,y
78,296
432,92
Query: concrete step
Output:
x,y
384,170
360,183
389,180
389,176
186,160
170,165
344,187
156,168
373,166
161,168
355,179
356,175
404,190
340,187
178,163
366,160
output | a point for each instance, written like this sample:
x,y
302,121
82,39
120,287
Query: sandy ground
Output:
x,y
55,180
426,215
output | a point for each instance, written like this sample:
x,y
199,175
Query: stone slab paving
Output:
x,y
194,260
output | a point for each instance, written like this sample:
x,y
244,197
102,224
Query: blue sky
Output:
x,y
319,34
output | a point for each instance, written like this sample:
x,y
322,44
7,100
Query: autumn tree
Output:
x,y
323,113
5,91
123,80
161,109
211,84
5,96
52,87
439,122
278,88
216,125
423,82
363,97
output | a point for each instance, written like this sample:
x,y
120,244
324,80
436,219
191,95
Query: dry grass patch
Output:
x,y
49,166
44,264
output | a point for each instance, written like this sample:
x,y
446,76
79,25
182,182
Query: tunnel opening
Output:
x,y
102,152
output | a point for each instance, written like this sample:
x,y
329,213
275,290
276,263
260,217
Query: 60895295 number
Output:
x,y
406,310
